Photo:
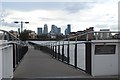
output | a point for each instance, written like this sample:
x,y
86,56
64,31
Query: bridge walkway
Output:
x,y
37,65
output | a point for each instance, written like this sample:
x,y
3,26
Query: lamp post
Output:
x,y
21,22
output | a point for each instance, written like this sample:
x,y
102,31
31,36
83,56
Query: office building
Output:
x,y
105,34
55,30
68,29
45,31
39,31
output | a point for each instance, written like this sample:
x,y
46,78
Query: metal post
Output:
x,y
75,62
55,51
87,37
96,36
88,58
21,26
63,51
68,56
59,51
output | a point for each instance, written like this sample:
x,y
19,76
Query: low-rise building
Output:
x,y
15,33
32,35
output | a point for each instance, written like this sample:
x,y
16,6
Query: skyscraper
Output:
x,y
68,29
55,30
59,31
45,31
39,31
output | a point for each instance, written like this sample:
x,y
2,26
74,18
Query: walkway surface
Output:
x,y
36,65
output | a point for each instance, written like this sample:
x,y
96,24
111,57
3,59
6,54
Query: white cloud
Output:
x,y
104,14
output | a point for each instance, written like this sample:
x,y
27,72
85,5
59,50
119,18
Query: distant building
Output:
x,y
79,34
68,29
15,33
39,31
45,31
104,35
117,36
90,35
32,35
59,31
55,30
71,34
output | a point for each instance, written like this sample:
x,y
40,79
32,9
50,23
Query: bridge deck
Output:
x,y
37,64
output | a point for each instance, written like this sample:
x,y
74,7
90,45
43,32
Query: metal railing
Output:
x,y
70,50
19,47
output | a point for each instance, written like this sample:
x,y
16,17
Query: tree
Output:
x,y
24,35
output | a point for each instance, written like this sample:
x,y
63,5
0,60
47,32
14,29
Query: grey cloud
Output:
x,y
78,6
46,19
107,26
51,19
101,25
114,27
12,24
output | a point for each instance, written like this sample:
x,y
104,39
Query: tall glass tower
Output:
x,y
68,28
45,31
39,31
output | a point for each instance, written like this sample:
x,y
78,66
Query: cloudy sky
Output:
x,y
81,15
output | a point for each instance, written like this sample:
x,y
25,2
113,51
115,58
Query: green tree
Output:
x,y
24,35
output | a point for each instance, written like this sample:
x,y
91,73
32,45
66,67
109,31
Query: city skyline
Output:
x,y
80,15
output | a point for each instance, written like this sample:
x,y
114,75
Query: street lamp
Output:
x,y
21,24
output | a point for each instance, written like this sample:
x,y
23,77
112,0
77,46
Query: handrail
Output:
x,y
10,34
91,32
70,52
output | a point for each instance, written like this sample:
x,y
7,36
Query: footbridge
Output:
x,y
67,59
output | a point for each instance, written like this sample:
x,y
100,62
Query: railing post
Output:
x,y
75,62
63,51
87,36
51,49
68,56
96,36
55,50
14,57
88,58
59,51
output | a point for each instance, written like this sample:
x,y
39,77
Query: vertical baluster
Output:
x,y
75,57
96,36
59,51
55,51
14,52
63,51
87,36
68,56
51,49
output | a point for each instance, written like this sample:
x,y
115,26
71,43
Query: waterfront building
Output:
x,y
90,35
59,31
55,30
68,29
45,31
32,35
39,31
15,33
104,35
